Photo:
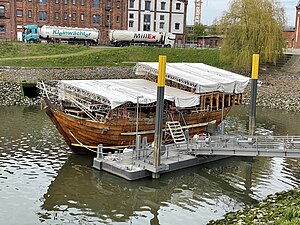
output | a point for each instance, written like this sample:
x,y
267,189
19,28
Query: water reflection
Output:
x,y
196,195
43,183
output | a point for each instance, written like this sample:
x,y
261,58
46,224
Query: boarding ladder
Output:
x,y
176,132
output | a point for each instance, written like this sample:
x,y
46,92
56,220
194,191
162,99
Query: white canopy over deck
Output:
x,y
115,92
203,78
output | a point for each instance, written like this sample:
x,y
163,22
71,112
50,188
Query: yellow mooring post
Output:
x,y
252,115
159,112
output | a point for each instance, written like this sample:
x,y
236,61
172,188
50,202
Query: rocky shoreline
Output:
x,y
280,208
12,77
278,90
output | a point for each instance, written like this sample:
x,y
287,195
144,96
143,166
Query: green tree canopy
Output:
x,y
198,30
252,26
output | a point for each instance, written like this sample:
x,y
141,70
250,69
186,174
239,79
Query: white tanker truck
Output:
x,y
124,37
74,35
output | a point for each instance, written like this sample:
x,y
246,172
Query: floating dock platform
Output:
x,y
138,164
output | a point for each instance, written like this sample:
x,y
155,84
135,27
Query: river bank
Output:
x,y
278,90
12,77
281,208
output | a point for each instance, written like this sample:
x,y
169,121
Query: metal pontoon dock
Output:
x,y
138,164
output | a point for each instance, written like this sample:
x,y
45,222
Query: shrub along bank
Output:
x,y
282,208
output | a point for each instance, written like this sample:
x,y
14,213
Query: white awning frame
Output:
x,y
115,92
201,77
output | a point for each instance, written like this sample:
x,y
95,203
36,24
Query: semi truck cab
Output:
x,y
31,33
169,40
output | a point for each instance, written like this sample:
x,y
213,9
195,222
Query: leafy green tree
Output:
x,y
252,26
198,30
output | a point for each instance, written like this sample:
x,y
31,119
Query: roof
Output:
x,y
116,92
203,78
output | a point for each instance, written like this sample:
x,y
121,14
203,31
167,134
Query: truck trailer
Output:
x,y
73,35
124,37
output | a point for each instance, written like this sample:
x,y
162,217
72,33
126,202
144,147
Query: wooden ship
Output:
x,y
113,112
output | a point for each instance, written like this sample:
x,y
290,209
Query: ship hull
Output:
x,y
84,135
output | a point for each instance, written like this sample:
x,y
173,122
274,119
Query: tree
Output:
x,y
198,30
252,26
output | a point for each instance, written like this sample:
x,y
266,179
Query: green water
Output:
x,y
42,182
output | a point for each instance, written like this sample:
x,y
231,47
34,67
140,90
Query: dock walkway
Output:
x,y
138,164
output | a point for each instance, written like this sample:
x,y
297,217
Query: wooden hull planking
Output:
x,y
119,132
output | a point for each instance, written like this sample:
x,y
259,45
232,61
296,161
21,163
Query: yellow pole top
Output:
x,y
161,70
255,65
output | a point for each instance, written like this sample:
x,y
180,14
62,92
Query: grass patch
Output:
x,y
62,55
11,49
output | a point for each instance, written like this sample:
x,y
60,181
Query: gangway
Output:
x,y
269,146
176,132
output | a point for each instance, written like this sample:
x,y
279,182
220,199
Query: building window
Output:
x,y
82,17
66,2
130,24
43,16
131,4
2,11
118,19
56,1
29,13
147,5
2,28
74,2
42,1
131,16
162,17
96,3
19,13
147,21
178,6
108,4
82,2
118,4
161,25
65,16
177,25
73,16
56,15
96,19
163,6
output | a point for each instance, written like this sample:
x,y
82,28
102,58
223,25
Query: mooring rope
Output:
x,y
81,143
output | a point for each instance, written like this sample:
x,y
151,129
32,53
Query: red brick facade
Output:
x,y
103,15
293,36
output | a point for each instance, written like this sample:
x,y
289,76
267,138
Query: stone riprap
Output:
x,y
11,77
278,90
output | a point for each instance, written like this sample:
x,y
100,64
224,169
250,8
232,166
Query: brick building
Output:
x,y
101,14
292,35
